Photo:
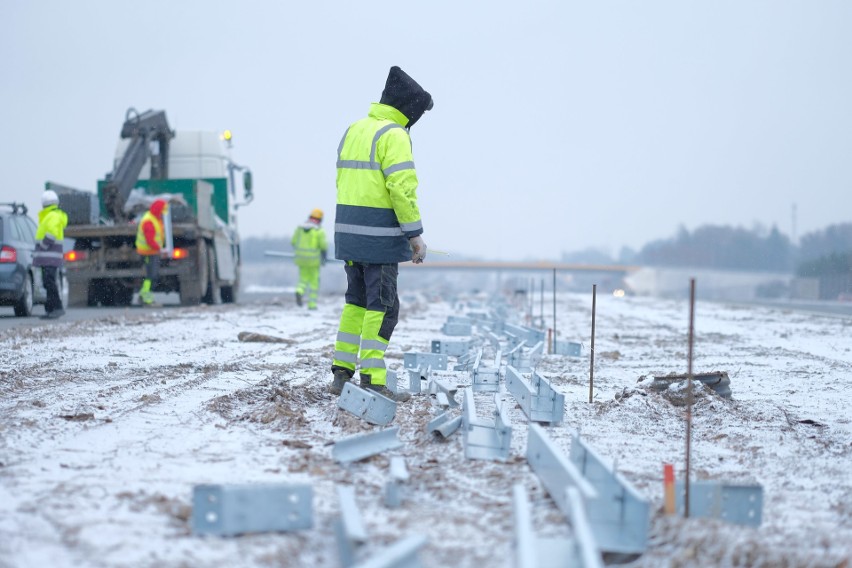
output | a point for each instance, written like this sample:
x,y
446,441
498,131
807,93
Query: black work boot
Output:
x,y
299,301
383,390
341,377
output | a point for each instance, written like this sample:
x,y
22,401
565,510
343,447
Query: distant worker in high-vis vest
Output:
x,y
311,249
377,226
48,252
150,241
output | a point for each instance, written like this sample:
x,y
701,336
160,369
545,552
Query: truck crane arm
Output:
x,y
141,129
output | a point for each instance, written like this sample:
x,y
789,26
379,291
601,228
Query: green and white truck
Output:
x,y
194,172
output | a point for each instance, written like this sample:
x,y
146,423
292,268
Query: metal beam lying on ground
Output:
x,y
524,360
226,510
581,551
486,439
513,340
527,334
495,324
349,528
367,404
455,348
464,362
362,446
394,487
735,503
537,397
436,361
493,340
485,378
401,554
444,424
617,513
437,385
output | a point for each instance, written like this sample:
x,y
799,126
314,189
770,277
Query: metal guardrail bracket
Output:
x,y
486,378
226,510
366,404
524,361
362,446
537,398
436,361
457,328
567,348
738,504
455,348
485,439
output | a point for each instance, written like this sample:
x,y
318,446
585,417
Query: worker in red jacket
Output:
x,y
150,240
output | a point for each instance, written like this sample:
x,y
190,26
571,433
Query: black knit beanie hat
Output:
x,y
405,95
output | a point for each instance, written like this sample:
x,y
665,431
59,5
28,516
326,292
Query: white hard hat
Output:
x,y
49,197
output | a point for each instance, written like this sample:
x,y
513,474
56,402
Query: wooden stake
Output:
x,y
669,488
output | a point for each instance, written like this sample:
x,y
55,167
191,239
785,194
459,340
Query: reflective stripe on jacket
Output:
x,y
49,236
308,243
143,247
376,190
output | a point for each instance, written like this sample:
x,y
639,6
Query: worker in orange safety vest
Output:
x,y
150,240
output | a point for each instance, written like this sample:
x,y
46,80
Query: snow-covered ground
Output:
x,y
106,426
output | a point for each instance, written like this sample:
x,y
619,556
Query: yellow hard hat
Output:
x,y
317,214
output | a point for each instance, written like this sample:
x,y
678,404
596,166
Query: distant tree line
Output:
x,y
821,253
824,252
722,247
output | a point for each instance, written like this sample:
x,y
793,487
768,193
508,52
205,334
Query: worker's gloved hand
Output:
x,y
323,258
418,249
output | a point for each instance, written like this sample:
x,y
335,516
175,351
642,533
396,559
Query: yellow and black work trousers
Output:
x,y
368,320
309,283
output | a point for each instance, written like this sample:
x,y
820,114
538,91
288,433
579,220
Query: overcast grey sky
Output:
x,y
557,125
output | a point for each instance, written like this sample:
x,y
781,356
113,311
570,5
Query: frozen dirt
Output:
x,y
106,426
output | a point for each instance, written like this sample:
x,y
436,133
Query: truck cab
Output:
x,y
199,179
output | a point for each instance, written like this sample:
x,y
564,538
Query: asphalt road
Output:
x,y
8,320
170,301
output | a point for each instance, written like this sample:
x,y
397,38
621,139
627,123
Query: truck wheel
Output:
x,y
79,294
229,293
194,286
123,295
213,294
24,305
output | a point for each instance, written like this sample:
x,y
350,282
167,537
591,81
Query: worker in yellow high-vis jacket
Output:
x,y
377,226
310,249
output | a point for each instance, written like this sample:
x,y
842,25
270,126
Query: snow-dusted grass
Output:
x,y
105,427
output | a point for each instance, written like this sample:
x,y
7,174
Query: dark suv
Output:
x,y
20,283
